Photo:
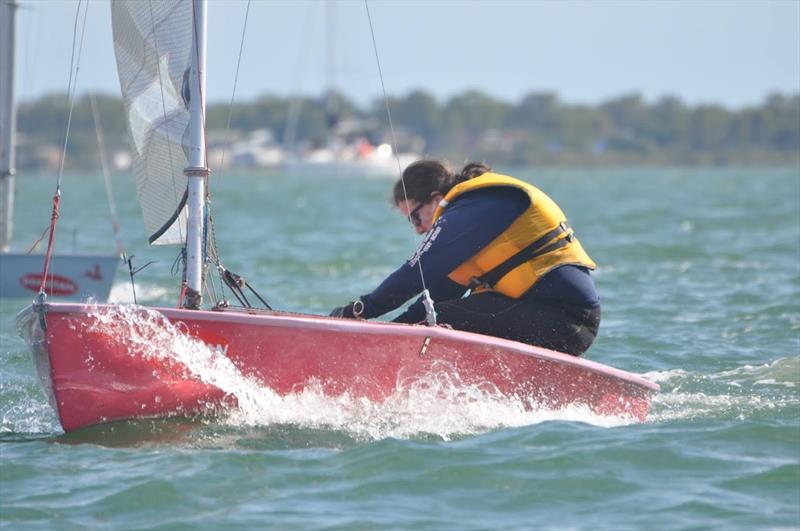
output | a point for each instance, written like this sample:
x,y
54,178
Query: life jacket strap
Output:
x,y
539,247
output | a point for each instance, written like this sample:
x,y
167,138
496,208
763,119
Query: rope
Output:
x,y
430,314
71,87
49,255
180,259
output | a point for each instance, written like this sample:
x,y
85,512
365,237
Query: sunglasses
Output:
x,y
413,216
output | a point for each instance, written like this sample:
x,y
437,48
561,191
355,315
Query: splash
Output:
x,y
438,404
435,405
740,393
25,410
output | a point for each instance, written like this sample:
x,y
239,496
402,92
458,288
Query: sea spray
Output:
x,y
738,393
26,410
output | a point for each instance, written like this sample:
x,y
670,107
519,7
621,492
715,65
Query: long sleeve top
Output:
x,y
466,226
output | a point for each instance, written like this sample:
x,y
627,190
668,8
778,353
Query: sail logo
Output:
x,y
55,285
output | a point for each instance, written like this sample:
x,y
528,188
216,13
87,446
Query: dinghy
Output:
x,y
101,363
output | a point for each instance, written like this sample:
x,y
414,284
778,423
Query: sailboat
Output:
x,y
348,151
71,276
102,362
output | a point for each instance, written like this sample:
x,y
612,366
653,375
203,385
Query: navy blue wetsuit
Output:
x,y
565,297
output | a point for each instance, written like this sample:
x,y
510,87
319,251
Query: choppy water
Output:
x,y
700,279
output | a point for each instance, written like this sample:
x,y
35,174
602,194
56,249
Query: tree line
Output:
x,y
540,129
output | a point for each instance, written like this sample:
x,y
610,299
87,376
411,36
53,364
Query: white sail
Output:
x,y
152,42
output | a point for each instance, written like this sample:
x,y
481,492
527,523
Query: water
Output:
x,y
700,279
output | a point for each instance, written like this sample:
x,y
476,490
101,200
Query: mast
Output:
x,y
8,120
198,171
332,98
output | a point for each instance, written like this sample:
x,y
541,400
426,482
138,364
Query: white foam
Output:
x,y
27,414
740,392
688,406
663,376
428,406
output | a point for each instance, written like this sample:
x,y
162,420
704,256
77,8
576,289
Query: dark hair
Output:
x,y
424,177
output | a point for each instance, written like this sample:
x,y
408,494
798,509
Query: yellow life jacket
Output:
x,y
537,242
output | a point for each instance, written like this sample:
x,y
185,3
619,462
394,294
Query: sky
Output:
x,y
732,53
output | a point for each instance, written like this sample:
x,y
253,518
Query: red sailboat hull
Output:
x,y
99,364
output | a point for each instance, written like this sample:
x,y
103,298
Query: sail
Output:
x,y
152,43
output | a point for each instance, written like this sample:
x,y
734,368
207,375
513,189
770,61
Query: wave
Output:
x,y
743,392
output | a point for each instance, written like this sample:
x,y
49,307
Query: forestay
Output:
x,y
152,42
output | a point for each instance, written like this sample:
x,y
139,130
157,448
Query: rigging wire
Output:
x,y
298,79
213,249
233,93
227,278
71,88
101,147
35,244
427,301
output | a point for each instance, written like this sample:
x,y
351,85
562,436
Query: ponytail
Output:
x,y
472,170
424,177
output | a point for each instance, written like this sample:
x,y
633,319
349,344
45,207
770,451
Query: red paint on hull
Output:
x,y
95,376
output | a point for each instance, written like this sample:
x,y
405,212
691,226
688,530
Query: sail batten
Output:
x,y
153,45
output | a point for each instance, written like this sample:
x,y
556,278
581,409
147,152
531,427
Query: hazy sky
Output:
x,y
729,52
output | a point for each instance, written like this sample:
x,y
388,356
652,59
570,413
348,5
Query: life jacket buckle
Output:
x,y
566,228
476,283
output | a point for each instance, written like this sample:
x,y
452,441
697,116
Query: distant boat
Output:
x,y
71,276
348,151
360,160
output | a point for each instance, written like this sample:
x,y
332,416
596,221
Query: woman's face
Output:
x,y
420,214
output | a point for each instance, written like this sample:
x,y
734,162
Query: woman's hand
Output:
x,y
352,310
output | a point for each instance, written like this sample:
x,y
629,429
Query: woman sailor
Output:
x,y
503,243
